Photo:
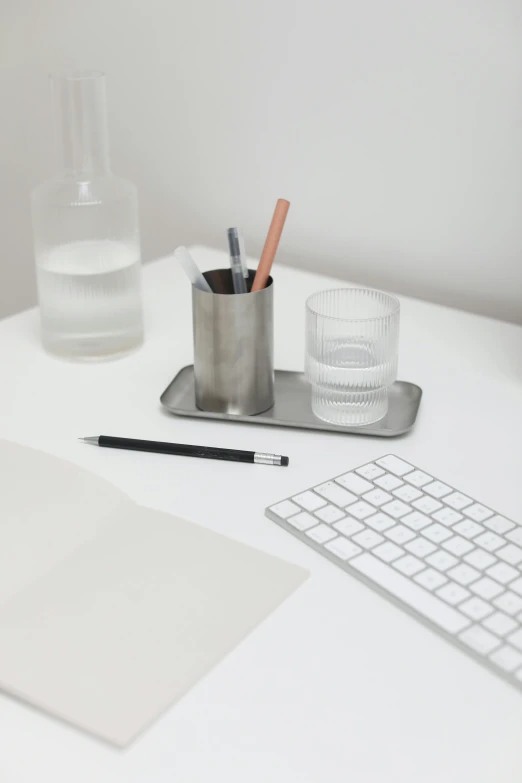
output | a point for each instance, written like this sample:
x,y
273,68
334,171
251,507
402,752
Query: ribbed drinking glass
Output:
x,y
352,338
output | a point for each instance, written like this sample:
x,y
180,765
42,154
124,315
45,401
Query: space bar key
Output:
x,y
411,594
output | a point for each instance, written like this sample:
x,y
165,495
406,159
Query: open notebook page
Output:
x,y
48,507
128,607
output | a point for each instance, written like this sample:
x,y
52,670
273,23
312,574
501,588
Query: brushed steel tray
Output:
x,y
292,406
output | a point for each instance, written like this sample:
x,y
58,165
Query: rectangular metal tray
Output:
x,y
292,406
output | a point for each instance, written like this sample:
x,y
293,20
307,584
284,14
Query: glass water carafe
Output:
x,y
86,234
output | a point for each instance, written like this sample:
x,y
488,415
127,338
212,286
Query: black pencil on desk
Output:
x,y
183,450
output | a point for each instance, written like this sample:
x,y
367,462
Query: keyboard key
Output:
x,y
309,500
516,639
437,489
416,520
516,586
377,497
408,565
329,514
464,574
441,560
507,658
430,579
379,522
436,533
479,639
370,471
489,541
452,593
394,465
399,534
285,509
480,559
447,516
420,547
302,521
500,624
468,529
426,504
388,482
476,608
361,509
477,512
354,483
407,493
321,533
458,546
515,536
508,602
388,552
335,494
457,500
343,548
418,478
510,553
486,588
348,526
396,509
501,525
367,539
503,573
401,587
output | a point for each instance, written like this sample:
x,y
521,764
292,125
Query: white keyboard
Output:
x,y
447,559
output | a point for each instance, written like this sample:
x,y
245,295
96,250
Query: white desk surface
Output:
x,y
338,685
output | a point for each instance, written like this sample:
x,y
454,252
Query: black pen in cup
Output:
x,y
238,264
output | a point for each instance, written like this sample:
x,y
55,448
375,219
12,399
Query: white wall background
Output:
x,y
393,126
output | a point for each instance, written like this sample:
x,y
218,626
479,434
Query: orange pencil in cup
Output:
x,y
271,244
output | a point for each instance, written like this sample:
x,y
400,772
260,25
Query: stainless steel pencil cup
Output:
x,y
233,346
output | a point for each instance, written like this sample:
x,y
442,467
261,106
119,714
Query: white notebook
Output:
x,y
109,611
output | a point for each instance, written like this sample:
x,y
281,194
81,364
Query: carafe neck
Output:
x,y
81,123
